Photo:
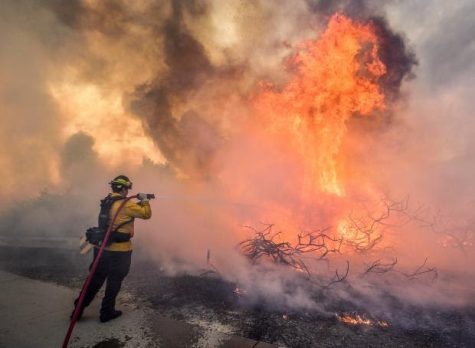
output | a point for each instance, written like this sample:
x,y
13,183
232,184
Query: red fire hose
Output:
x,y
91,274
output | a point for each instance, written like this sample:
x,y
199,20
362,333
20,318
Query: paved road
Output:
x,y
35,314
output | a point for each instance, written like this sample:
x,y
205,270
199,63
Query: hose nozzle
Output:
x,y
142,196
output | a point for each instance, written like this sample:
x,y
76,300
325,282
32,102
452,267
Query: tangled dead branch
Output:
x,y
264,244
455,232
421,270
378,267
361,231
339,278
364,231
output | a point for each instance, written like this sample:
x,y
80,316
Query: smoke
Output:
x,y
30,121
164,91
188,141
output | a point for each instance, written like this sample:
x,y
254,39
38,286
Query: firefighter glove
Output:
x,y
142,197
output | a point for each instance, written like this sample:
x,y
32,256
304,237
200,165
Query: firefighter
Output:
x,y
115,262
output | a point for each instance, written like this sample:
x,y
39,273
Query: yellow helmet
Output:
x,y
121,181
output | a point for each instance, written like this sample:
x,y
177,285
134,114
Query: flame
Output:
x,y
335,77
361,320
345,230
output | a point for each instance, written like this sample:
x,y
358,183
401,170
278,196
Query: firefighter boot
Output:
x,y
109,316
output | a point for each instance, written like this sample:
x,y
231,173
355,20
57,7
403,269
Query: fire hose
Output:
x,y
95,263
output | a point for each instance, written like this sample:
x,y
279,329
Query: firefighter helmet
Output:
x,y
120,182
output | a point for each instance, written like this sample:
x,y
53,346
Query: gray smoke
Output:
x,y
184,70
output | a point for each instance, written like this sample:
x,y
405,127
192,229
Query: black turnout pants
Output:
x,y
113,266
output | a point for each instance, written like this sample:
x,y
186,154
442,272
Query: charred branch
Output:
x,y
318,242
454,233
364,231
421,270
264,244
378,267
339,278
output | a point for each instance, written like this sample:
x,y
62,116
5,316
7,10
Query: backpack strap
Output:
x,y
120,237
124,223
106,205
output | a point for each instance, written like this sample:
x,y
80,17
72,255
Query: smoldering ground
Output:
x,y
160,90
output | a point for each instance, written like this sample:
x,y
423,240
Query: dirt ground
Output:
x,y
210,304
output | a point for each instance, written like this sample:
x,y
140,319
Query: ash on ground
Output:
x,y
209,303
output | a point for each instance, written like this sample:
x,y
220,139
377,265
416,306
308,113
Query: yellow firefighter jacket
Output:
x,y
129,211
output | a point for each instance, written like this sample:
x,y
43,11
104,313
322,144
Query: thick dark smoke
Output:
x,y
396,56
358,9
188,141
182,73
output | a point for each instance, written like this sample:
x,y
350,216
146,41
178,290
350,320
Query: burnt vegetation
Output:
x,y
361,234
209,299
365,229
264,244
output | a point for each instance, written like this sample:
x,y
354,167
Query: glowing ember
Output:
x,y
360,320
335,78
240,291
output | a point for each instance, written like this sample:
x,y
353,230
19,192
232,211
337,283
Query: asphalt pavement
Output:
x,y
36,314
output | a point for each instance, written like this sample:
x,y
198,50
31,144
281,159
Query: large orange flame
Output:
x,y
333,78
